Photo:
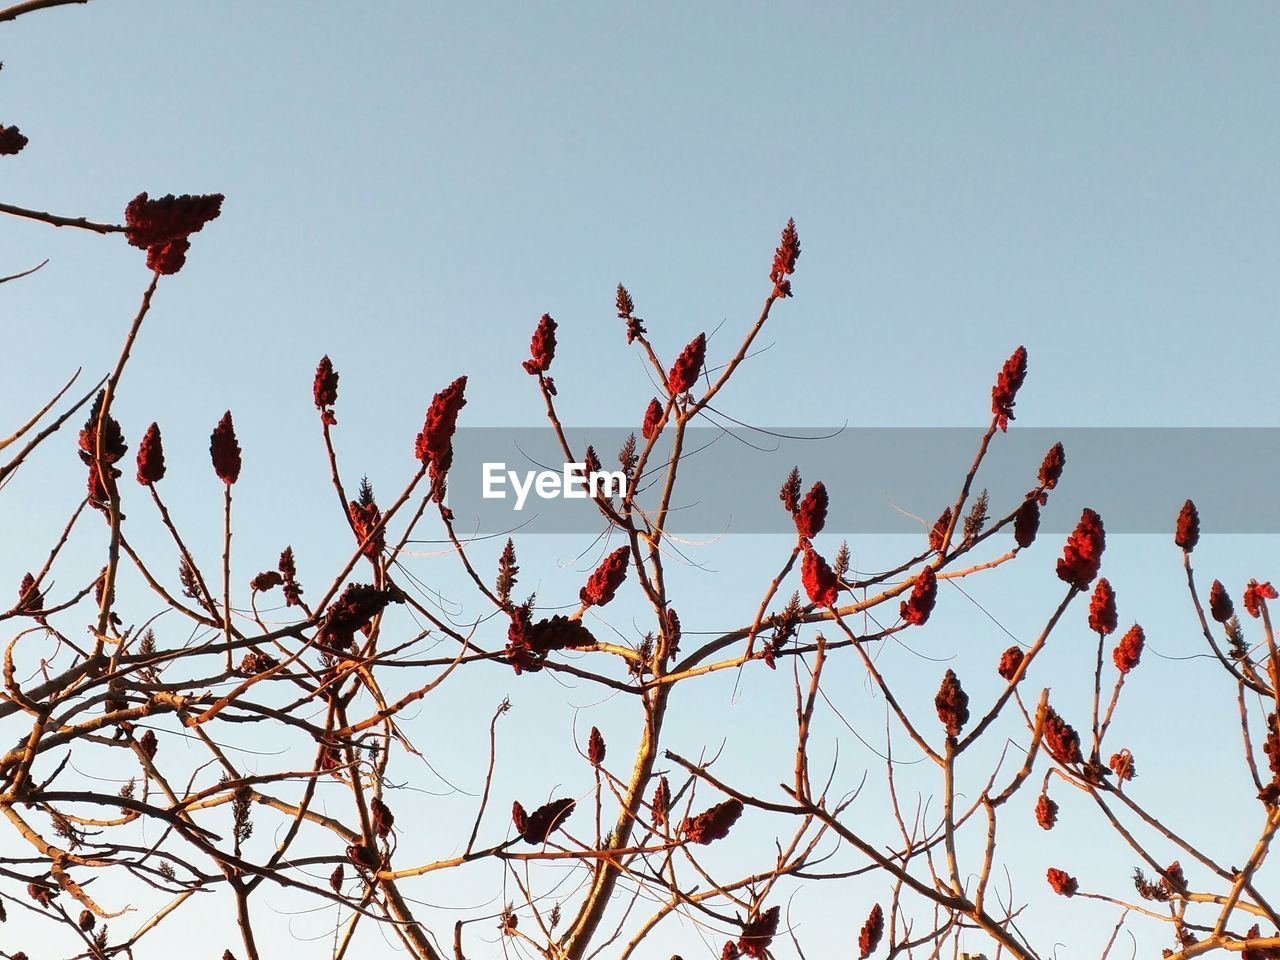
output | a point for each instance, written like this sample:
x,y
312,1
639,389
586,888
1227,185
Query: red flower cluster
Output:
x,y
11,141
818,578
162,226
354,609
952,704
595,747
101,462
1220,606
626,309
872,931
917,607
759,932
1254,595
661,802
1102,608
1026,523
1082,555
1046,812
811,515
288,569
542,348
267,580
528,643
939,532
604,583
434,443
1129,650
1051,467
365,518
784,260
713,823
1061,738
684,372
536,827
30,599
383,818
673,633
325,390
151,457
224,451
1010,661
1062,882
1122,765
652,418
1188,533
1010,380
790,492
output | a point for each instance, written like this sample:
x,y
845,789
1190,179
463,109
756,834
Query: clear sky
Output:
x,y
409,186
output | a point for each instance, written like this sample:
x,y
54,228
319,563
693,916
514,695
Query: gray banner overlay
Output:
x,y
883,480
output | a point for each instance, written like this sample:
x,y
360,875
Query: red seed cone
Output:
x,y
1010,661
224,451
819,580
811,516
1009,381
324,390
11,141
1046,812
1026,523
1220,606
151,457
1254,595
872,931
1187,534
652,417
684,372
713,823
784,260
1129,650
595,747
542,347
1063,883
1102,608
1082,555
917,607
759,932
952,704
604,583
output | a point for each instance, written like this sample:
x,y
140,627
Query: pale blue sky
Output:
x,y
409,186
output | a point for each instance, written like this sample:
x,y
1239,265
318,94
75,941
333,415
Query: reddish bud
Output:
x,y
1220,606
684,372
1026,523
169,257
1187,534
224,451
542,348
952,704
1102,608
1046,812
652,418
811,516
11,141
324,390
1063,884
819,580
1082,555
1009,381
759,932
1061,738
917,607
1122,764
713,823
595,747
1254,595
1010,661
383,818
1129,650
872,931
151,457
784,260
604,583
